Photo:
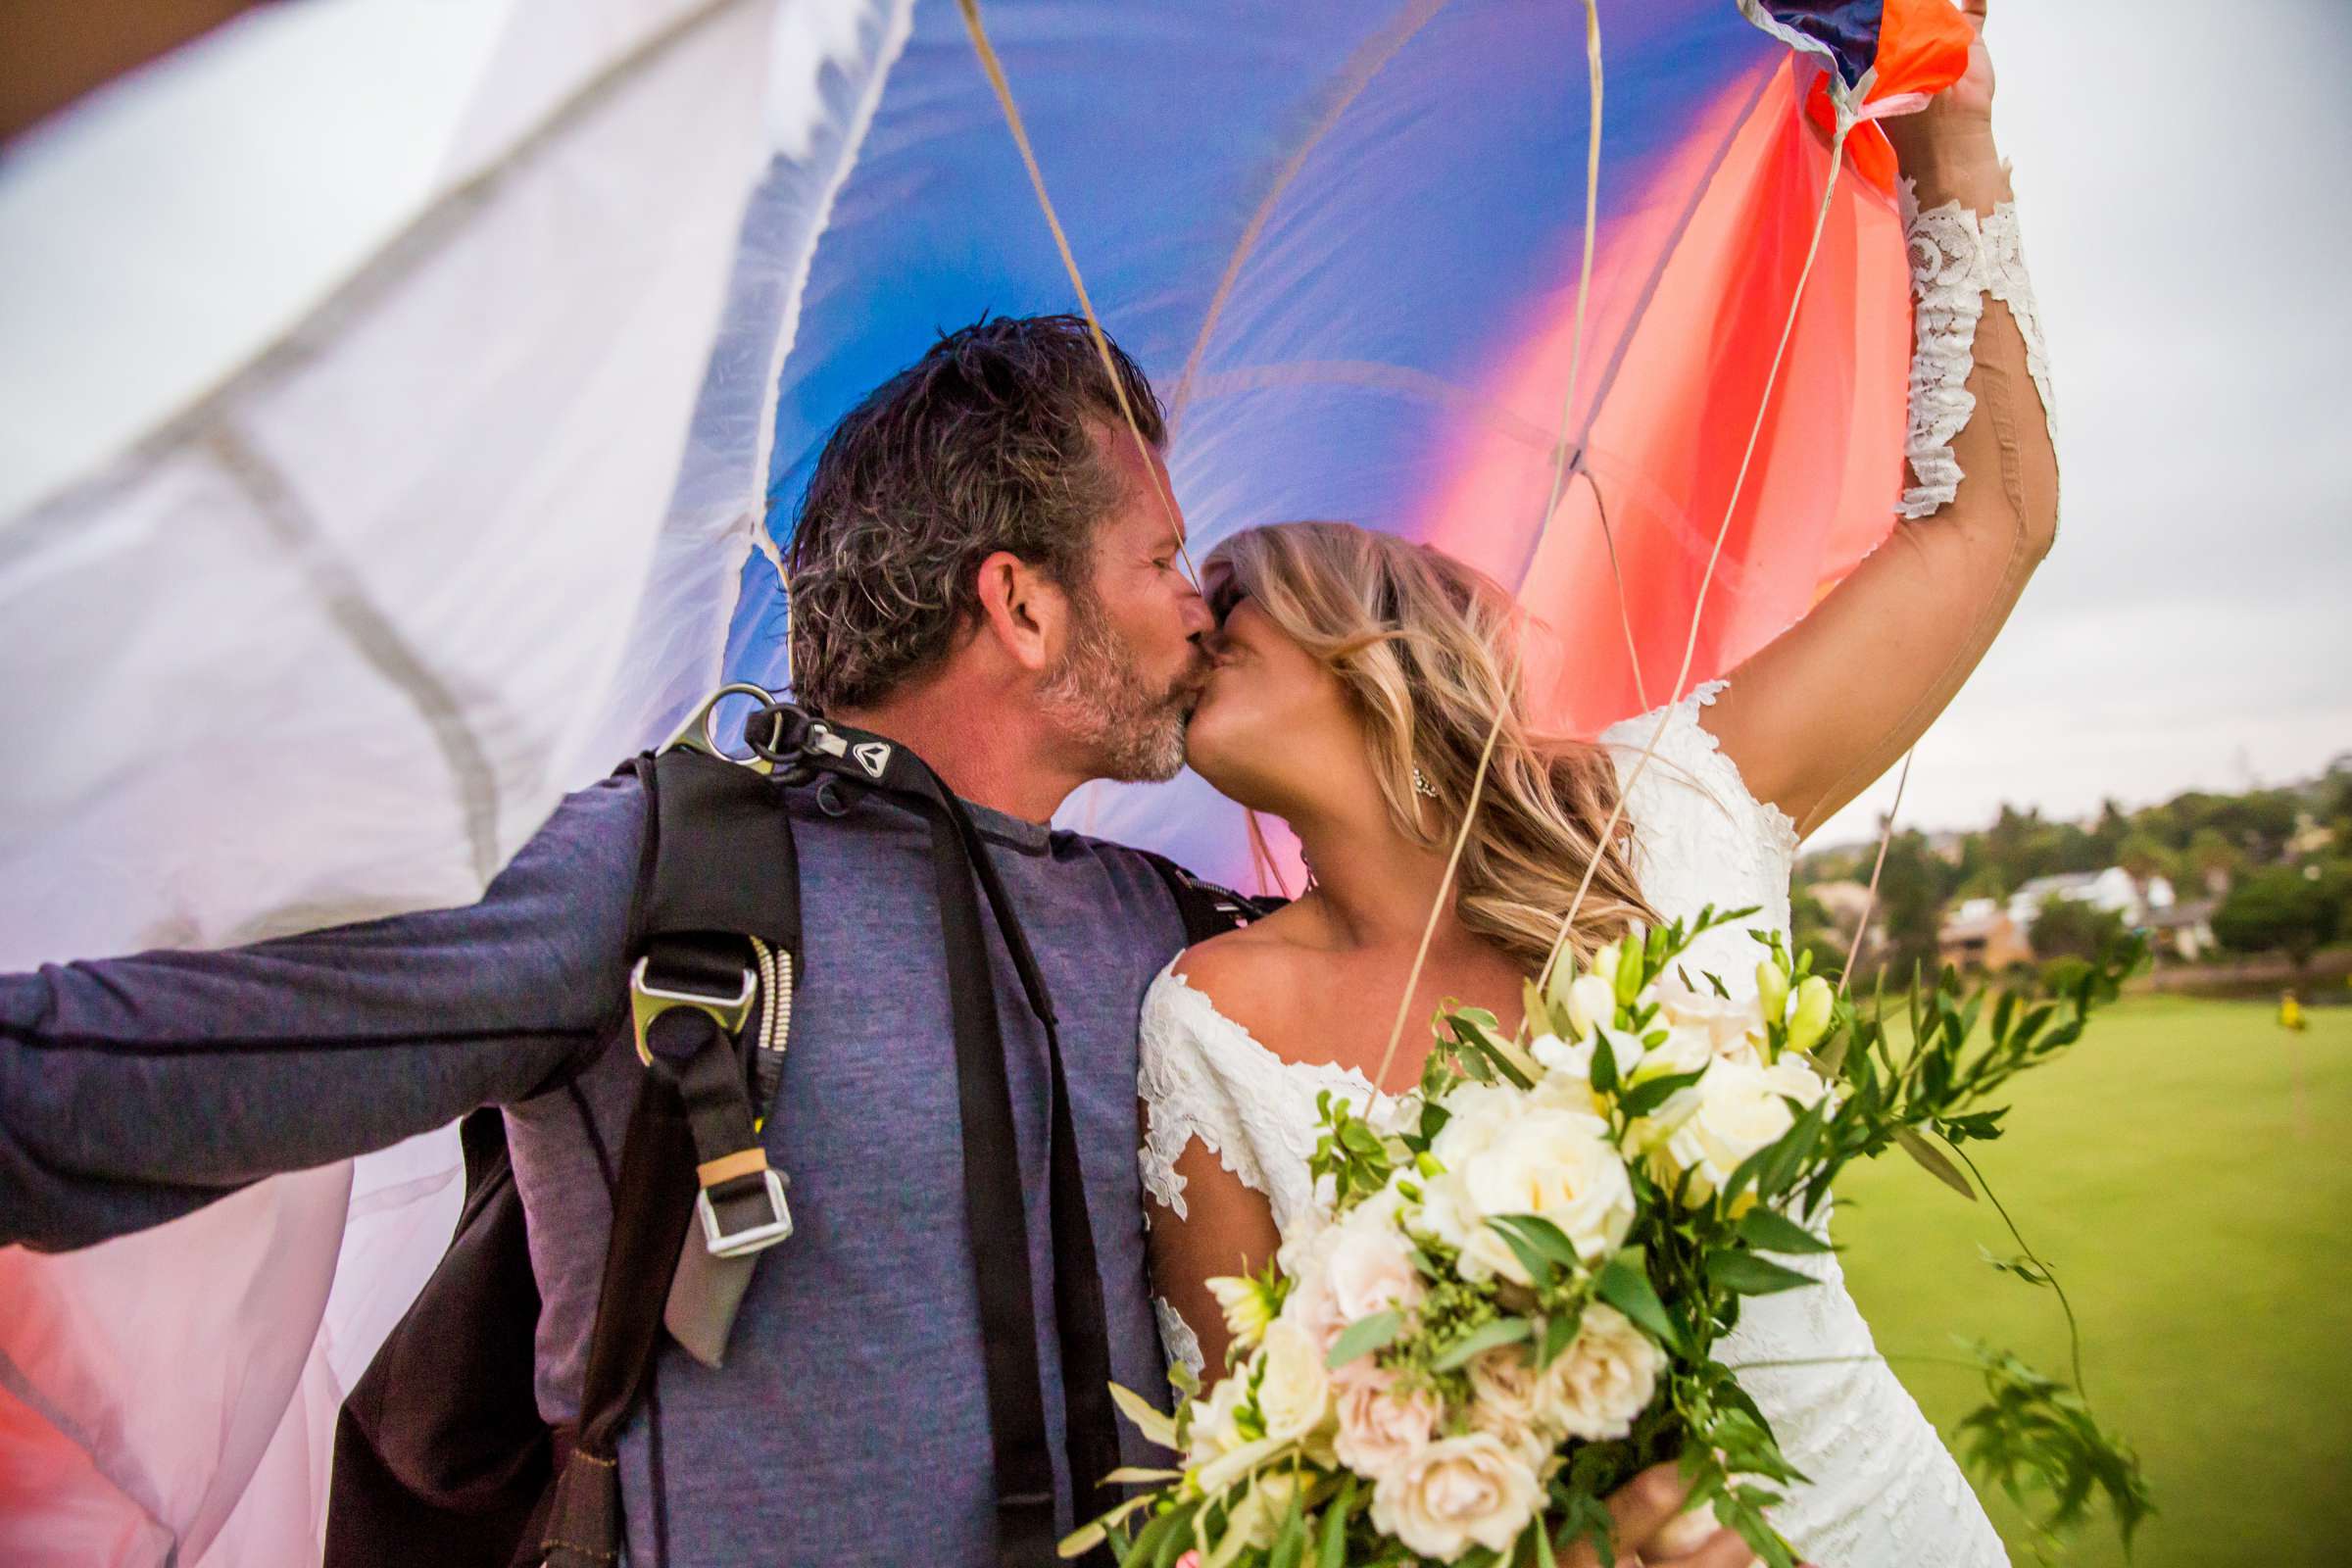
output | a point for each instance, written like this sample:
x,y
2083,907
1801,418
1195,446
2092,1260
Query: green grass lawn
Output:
x,y
2187,1171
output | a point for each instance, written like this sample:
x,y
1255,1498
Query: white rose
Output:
x,y
1476,1114
1732,1029
1383,1425
1310,1304
1294,1393
1455,1493
1555,1163
1507,1399
1739,1110
1603,1380
1369,1269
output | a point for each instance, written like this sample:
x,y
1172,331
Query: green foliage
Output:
x,y
1702,1242
2069,928
2036,1438
2279,909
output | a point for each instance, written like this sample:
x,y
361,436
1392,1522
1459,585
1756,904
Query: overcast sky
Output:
x,y
2181,172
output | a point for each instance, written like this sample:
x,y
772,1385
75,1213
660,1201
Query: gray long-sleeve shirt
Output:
x,y
850,1425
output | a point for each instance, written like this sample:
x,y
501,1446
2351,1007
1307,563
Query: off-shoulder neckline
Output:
x,y
1182,985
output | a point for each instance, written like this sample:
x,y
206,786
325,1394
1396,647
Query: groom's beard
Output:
x,y
1132,728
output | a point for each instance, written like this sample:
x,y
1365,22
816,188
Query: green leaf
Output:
x,y
1542,1234
1559,1332
1932,1157
1155,1427
1502,1331
1770,1231
1542,1530
1747,1274
1644,1098
1604,1061
1363,1337
1542,1272
1789,1151
1290,1541
1084,1540
1334,1526
1626,1287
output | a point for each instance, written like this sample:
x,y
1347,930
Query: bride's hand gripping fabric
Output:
x,y
1822,711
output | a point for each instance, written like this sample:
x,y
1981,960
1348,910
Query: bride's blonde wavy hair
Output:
x,y
1429,651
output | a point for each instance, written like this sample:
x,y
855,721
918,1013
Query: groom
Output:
x,y
987,571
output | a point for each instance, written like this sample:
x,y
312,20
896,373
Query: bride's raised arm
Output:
x,y
1824,708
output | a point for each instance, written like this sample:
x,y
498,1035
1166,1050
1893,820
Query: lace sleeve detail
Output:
x,y
1177,1339
1700,837
1691,772
1185,1097
1956,260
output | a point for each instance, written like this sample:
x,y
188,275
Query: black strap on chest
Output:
x,y
725,870
995,1212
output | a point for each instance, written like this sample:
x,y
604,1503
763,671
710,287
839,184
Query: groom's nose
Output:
x,y
1198,620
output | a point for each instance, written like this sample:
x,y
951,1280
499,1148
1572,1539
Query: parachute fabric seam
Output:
x,y
400,256
759,507
370,634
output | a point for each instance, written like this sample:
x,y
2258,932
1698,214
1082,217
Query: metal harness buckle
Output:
x,y
752,1238
648,1002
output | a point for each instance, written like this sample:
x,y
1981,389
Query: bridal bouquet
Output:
x,y
1514,1302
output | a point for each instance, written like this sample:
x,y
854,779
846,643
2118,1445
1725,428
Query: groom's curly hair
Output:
x,y
986,443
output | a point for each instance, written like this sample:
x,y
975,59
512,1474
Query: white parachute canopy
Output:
x,y
366,363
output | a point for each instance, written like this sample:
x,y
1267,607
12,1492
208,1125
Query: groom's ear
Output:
x,y
1023,610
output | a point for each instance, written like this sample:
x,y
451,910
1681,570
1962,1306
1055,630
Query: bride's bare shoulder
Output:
x,y
1253,975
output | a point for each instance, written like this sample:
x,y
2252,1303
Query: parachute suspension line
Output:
x,y
1772,377
1625,612
1061,242
1560,467
764,540
1870,899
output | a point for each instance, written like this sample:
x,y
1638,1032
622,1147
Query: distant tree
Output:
x,y
1810,926
1911,893
2069,928
2143,855
2214,858
2113,829
2278,910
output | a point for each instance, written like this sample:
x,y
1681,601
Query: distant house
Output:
x,y
2183,930
2114,889
1980,934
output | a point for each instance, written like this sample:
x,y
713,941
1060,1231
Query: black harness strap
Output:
x,y
994,1210
694,1147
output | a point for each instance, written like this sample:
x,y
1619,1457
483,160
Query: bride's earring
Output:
x,y
1421,784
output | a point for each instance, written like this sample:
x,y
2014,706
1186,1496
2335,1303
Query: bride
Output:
x,y
1357,681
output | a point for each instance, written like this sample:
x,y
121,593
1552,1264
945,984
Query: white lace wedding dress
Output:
x,y
1884,1490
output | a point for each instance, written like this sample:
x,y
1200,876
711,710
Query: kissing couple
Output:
x,y
990,571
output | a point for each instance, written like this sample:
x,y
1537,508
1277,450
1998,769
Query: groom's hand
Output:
x,y
1646,1514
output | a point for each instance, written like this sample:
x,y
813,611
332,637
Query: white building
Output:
x,y
2114,889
